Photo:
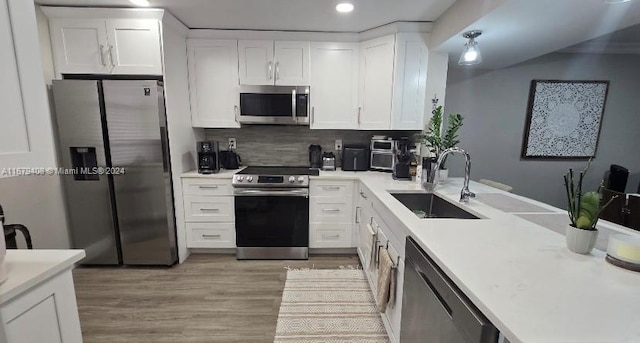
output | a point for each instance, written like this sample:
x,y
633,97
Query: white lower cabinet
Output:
x,y
47,313
331,214
209,213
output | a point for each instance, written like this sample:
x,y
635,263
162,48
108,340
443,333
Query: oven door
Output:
x,y
382,160
274,105
272,223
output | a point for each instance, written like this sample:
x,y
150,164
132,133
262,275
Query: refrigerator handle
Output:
x,y
164,140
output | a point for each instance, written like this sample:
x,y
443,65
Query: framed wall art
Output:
x,y
564,119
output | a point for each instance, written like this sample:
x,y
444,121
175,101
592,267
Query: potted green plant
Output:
x,y
435,141
584,211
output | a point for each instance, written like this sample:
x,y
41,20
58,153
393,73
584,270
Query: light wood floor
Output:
x,y
209,298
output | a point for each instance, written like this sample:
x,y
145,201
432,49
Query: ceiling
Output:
x,y
625,41
303,15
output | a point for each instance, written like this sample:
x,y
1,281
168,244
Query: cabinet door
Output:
x,y
409,82
291,63
376,80
213,83
334,81
256,62
134,46
13,128
80,46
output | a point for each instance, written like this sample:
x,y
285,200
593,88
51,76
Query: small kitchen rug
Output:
x,y
328,306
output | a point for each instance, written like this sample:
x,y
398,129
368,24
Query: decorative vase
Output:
x,y
443,175
581,241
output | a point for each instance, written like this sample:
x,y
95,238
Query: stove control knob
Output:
x,y
249,178
301,179
240,178
292,179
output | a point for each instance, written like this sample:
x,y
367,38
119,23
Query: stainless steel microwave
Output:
x,y
382,151
282,105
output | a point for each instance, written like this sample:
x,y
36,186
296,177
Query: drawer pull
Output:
x,y
208,187
211,236
331,237
331,188
362,195
210,210
330,210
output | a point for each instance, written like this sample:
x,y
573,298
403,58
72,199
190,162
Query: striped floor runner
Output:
x,y
329,306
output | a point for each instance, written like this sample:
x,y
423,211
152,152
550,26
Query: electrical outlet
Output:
x,y
338,145
232,143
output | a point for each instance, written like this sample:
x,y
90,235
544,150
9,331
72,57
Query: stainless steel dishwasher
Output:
x,y
434,310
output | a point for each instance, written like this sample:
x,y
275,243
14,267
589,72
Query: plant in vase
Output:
x,y
435,141
584,211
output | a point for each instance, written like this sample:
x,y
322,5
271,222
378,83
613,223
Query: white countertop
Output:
x,y
519,274
222,174
28,268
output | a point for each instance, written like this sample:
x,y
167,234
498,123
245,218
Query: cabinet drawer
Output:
x,y
208,209
331,188
330,210
330,236
211,235
203,186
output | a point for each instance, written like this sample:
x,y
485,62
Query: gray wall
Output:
x,y
494,104
266,145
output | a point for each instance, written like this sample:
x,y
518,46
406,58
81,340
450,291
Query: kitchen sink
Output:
x,y
428,205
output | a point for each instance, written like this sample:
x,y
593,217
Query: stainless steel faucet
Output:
x,y
465,194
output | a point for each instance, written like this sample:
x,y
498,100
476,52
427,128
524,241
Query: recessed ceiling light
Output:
x,y
344,7
143,3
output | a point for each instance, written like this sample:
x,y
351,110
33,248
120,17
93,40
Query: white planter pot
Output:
x,y
581,241
443,175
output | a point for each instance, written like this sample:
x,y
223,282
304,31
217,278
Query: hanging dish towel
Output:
x,y
386,281
373,256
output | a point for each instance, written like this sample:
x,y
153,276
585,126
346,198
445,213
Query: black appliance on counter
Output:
x,y
272,213
355,158
315,156
402,160
208,157
230,159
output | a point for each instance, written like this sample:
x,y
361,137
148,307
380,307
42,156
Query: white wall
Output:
x,y
35,201
494,104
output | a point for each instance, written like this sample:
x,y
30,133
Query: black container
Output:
x,y
315,156
208,157
355,158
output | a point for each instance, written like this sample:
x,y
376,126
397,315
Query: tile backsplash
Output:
x,y
272,145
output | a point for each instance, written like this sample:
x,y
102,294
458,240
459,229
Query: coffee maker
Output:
x,y
402,157
208,157
315,156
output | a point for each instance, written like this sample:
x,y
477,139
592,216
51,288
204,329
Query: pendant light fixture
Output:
x,y
471,54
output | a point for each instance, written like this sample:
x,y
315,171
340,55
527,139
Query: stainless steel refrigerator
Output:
x,y
112,135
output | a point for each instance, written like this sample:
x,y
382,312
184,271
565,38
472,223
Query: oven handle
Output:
x,y
297,192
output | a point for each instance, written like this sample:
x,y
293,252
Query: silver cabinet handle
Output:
x,y
113,64
211,236
331,237
236,112
357,215
359,112
208,187
313,113
270,70
277,70
210,210
363,195
104,64
330,210
331,188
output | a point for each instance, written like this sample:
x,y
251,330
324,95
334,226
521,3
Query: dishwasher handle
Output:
x,y
465,316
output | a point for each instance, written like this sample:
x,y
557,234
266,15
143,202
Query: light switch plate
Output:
x,y
338,146
232,143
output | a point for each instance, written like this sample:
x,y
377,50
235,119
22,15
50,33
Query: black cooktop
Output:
x,y
277,170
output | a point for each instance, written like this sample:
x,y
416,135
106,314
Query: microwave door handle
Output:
x,y
293,105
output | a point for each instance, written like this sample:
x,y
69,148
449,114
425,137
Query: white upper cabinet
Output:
x,y
292,63
80,46
134,46
334,85
376,83
409,82
213,82
104,46
256,62
265,62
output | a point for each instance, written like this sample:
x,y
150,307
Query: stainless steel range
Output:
x,y
272,213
